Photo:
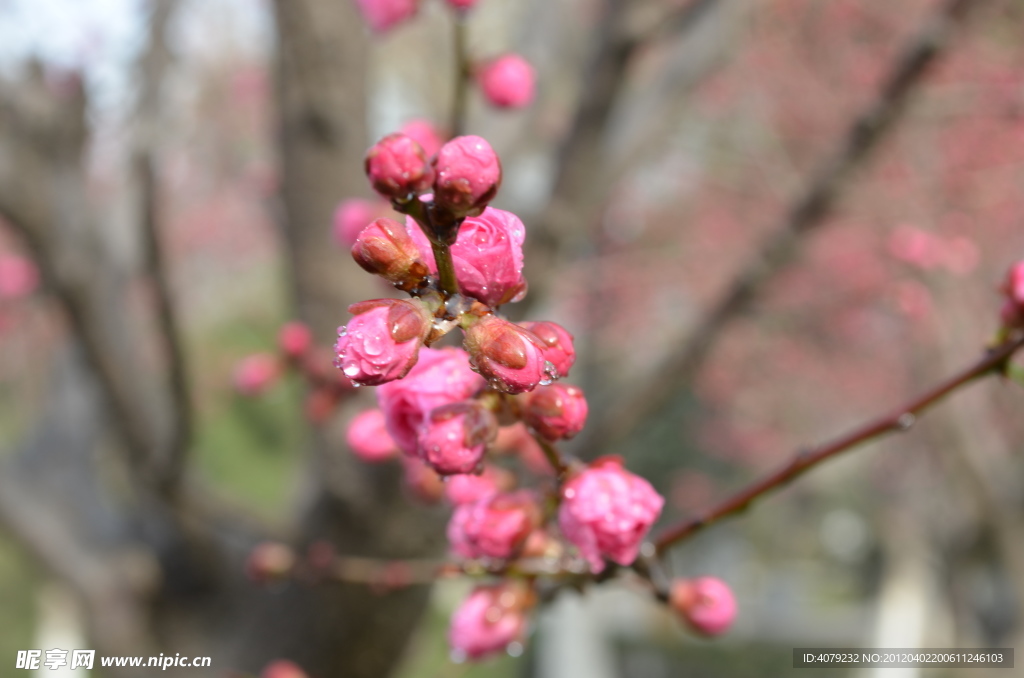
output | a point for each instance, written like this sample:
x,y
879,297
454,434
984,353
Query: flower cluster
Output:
x,y
458,413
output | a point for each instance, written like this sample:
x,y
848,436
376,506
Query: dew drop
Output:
x,y
457,656
514,649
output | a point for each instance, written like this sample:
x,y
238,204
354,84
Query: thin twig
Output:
x,y
463,73
900,419
807,214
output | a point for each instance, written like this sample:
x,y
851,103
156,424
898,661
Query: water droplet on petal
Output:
x,y
514,649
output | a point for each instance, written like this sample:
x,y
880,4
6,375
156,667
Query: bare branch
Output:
x,y
900,419
780,249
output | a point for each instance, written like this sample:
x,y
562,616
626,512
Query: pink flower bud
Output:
x,y
397,167
494,527
386,249
19,277
382,15
454,437
607,511
425,134
507,355
351,217
269,561
461,4
368,437
294,339
558,411
441,377
421,481
468,174
254,374
507,81
467,488
1013,289
706,604
558,345
488,256
489,619
381,343
282,668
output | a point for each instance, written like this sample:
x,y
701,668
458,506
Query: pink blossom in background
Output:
x,y
351,217
19,276
557,412
368,437
382,342
461,4
397,167
440,377
466,488
255,373
509,356
487,621
282,668
507,81
468,174
383,15
916,246
425,133
607,511
488,256
495,526
558,345
706,604
294,339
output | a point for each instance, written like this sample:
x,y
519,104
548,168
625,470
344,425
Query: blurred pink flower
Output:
x,y
351,217
19,276
507,81
383,15
495,526
706,604
487,621
255,373
607,511
368,437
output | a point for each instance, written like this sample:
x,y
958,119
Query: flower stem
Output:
x,y
445,268
994,361
462,73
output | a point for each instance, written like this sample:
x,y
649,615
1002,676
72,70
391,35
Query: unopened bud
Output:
x,y
706,604
294,339
397,167
468,174
282,668
386,249
382,342
1012,311
558,345
454,437
557,412
507,355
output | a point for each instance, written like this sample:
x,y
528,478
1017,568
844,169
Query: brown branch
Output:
x,y
152,69
807,214
900,419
